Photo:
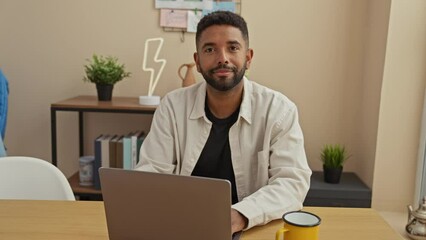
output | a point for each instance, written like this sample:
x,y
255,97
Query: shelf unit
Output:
x,y
350,192
84,104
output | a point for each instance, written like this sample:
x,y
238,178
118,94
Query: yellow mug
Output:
x,y
299,225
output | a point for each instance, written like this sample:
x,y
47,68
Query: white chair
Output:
x,y
32,178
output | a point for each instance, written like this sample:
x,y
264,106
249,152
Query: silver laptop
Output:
x,y
144,205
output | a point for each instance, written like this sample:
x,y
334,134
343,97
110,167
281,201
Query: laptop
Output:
x,y
145,205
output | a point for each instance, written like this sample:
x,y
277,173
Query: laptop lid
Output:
x,y
145,205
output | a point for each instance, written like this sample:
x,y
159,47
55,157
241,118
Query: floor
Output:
x,y
397,220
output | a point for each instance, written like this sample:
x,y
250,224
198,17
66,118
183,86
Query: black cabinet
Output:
x,y
350,192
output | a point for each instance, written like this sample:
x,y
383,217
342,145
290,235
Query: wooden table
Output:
x,y
52,220
337,224
86,220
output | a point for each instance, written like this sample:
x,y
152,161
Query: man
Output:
x,y
229,127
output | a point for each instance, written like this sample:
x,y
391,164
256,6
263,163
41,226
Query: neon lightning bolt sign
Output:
x,y
152,82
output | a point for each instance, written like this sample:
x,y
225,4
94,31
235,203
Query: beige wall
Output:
x,y
330,57
373,64
401,106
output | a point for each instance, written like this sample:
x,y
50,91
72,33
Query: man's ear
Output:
x,y
249,57
197,61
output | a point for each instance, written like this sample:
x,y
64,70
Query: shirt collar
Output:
x,y
200,99
246,108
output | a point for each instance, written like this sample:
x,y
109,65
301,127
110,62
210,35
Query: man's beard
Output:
x,y
221,84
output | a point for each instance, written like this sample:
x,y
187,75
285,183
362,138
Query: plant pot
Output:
x,y
104,92
332,175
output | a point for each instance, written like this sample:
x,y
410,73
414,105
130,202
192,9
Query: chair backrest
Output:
x,y
32,178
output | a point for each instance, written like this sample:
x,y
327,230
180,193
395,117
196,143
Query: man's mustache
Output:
x,y
223,66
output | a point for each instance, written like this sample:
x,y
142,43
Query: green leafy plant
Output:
x,y
104,70
333,156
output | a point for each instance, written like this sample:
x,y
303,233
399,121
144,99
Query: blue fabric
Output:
x,y
4,95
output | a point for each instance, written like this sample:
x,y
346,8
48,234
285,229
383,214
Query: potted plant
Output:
x,y
333,157
104,72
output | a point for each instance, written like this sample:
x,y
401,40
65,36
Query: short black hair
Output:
x,y
222,18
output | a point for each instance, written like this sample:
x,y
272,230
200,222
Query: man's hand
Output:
x,y
238,221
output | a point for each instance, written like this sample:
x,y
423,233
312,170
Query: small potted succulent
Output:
x,y
104,72
333,158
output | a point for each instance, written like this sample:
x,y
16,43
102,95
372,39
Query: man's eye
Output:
x,y
234,48
208,50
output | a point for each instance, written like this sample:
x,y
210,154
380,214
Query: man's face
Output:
x,y
222,56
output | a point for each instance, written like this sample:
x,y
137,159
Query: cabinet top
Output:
x,y
348,182
91,103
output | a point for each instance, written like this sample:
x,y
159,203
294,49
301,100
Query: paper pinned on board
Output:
x,y
188,19
220,6
173,18
193,18
184,4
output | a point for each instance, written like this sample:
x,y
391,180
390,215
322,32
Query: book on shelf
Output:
x,y
105,151
113,151
119,153
139,145
136,140
127,151
98,161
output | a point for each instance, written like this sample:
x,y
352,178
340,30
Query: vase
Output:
x,y
104,91
189,78
332,175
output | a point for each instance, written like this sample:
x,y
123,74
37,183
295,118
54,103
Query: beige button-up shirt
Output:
x,y
270,167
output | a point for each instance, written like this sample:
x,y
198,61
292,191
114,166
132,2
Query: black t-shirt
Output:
x,y
215,159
